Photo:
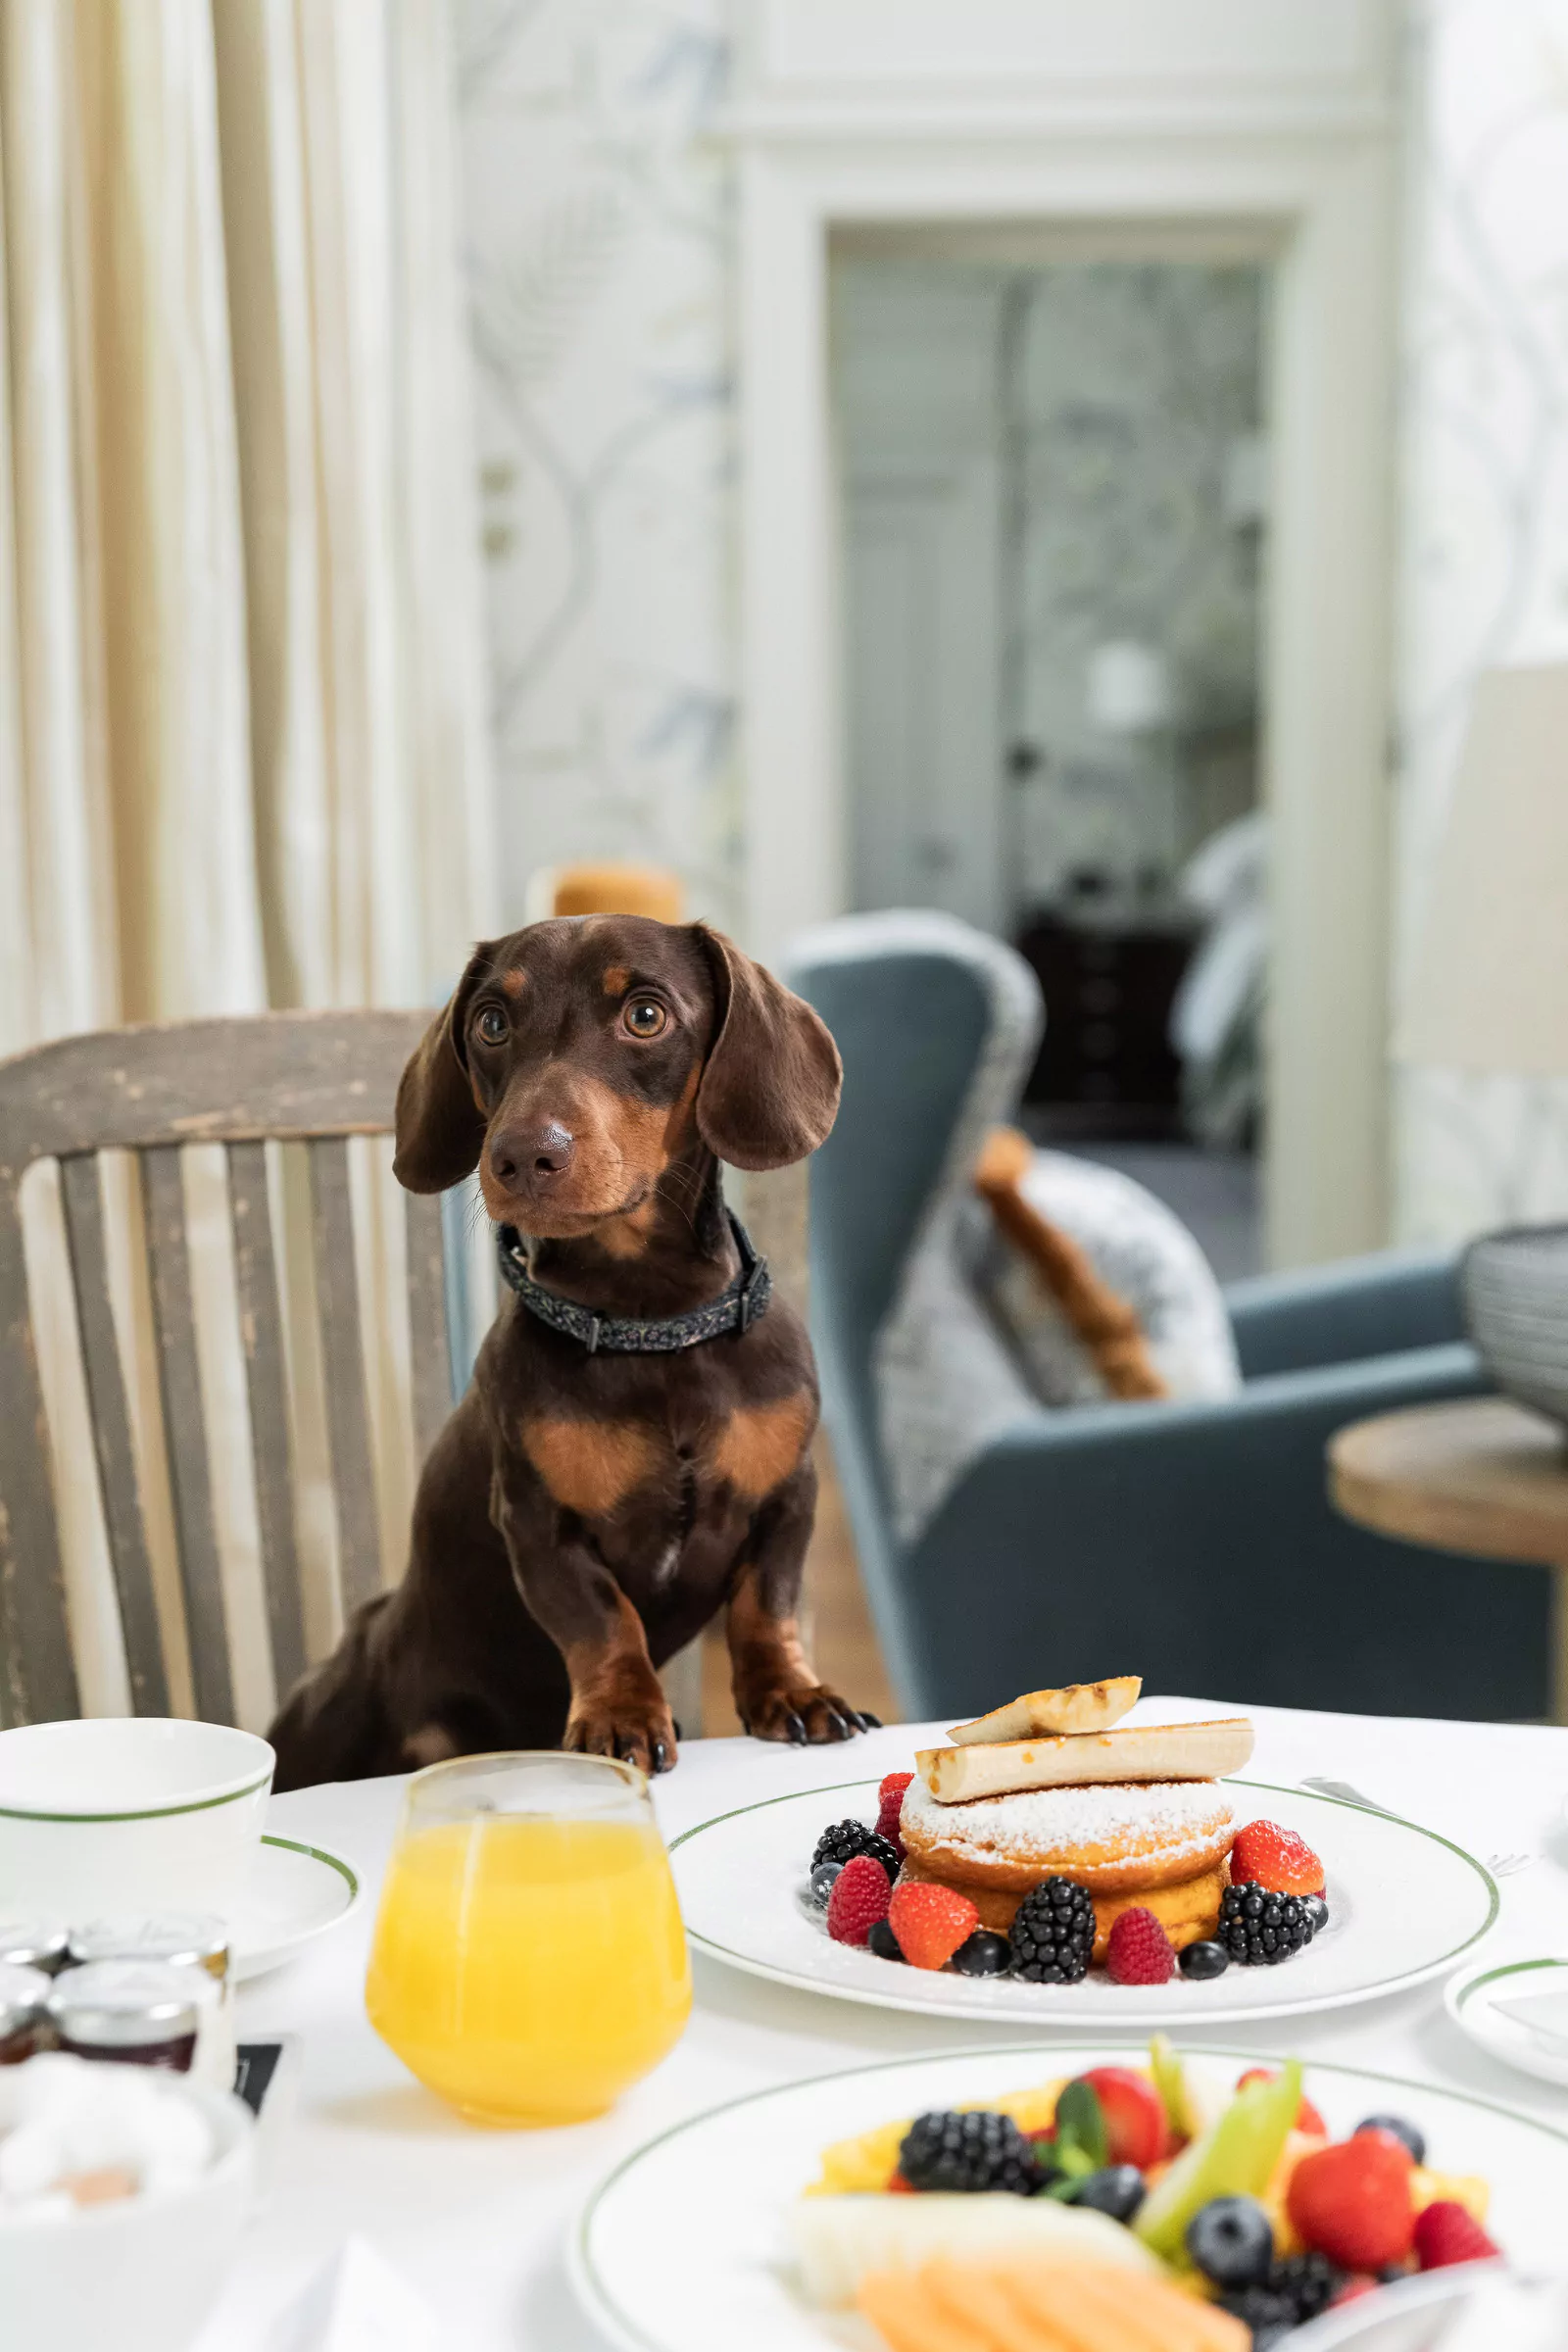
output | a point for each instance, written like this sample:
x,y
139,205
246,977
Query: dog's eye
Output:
x,y
645,1016
491,1026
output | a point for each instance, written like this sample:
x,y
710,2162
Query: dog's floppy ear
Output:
x,y
440,1127
770,1089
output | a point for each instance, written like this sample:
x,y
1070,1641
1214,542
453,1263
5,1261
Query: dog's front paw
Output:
x,y
632,1724
803,1713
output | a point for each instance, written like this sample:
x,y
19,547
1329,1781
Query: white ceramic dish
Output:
x,y
293,1894
130,1813
137,2276
1405,1905
1493,2005
681,2248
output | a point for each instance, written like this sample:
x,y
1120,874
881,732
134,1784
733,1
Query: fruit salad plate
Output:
x,y
694,2243
1405,1905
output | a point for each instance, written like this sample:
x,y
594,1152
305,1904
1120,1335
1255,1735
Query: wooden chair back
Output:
x,y
309,1078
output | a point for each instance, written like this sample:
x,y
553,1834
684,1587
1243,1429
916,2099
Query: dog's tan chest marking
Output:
x,y
760,1444
591,1466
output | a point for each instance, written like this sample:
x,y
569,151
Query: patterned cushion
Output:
x,y
1141,1251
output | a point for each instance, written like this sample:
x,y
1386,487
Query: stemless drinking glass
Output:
x,y
530,1961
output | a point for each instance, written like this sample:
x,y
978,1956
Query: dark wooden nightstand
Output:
x,y
1109,987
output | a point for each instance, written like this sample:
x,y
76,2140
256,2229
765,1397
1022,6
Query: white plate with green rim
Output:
x,y
1406,1906
1517,2010
683,2247
293,1894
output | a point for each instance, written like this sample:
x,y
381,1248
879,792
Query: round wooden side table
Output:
x,y
1481,1476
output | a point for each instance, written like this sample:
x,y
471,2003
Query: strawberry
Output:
x,y
1445,2234
1276,1859
1139,1952
859,1898
1307,2118
1135,2129
890,1796
1351,2202
930,1923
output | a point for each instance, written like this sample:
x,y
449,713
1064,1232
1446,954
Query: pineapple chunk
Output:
x,y
1459,2189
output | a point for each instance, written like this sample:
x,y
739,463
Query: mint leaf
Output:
x,y
1080,2128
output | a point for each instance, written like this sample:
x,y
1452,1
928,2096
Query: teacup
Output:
x,y
122,1814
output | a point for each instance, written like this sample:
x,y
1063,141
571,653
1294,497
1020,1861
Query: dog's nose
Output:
x,y
542,1152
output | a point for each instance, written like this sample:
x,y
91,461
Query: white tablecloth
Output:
x,y
475,2220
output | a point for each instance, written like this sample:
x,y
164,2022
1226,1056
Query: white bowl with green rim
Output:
x,y
1516,2010
122,1814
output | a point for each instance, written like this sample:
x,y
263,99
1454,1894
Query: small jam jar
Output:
x,y
191,1940
23,2013
133,2012
33,1943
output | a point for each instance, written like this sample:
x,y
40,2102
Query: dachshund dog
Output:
x,y
589,1506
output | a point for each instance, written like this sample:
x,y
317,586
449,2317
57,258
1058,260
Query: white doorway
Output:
x,y
1126,130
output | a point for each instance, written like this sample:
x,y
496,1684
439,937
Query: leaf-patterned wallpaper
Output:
x,y
599,227
1485,572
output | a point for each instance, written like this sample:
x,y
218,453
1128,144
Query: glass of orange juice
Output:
x,y
530,1961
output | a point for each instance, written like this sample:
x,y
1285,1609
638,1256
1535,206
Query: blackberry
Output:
x,y
1310,2283
968,2153
1270,2316
1054,1933
1260,1929
847,1839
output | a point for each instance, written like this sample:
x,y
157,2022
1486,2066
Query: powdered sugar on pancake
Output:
x,y
1176,1820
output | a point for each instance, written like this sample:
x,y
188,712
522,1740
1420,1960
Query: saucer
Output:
x,y
293,1894
1517,2010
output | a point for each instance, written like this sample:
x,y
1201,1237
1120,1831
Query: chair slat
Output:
x,y
261,1327
348,1419
190,1478
431,1362
37,1679
81,1192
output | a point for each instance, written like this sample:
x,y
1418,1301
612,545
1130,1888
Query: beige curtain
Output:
x,y
242,754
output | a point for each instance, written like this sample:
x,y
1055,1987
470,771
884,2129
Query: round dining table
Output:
x,y
476,2222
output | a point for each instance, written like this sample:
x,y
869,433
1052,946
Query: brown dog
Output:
x,y
585,1511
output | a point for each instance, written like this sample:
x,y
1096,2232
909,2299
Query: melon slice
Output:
x,y
837,2241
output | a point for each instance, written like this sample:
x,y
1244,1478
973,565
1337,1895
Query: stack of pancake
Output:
x,y
1047,1787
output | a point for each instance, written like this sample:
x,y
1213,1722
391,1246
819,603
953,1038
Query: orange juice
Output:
x,y
529,1969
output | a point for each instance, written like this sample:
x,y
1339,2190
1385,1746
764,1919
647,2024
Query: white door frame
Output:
x,y
1317,192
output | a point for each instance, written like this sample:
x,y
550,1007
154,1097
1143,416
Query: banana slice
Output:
x,y
1080,1707
1150,1751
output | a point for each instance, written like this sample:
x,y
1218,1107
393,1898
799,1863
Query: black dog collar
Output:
x,y
736,1308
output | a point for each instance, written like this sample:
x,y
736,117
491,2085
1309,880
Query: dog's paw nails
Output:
x,y
661,1759
870,1722
794,1729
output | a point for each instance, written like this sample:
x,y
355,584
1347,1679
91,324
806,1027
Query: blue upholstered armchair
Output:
x,y
1192,1543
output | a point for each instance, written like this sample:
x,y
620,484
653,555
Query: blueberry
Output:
x,y
1317,1911
883,1942
1232,2242
822,1878
1406,2133
1118,2190
1201,1960
983,1954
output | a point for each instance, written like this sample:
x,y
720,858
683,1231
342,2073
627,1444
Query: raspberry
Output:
x,y
1351,2202
1445,2234
1275,1860
859,1898
930,1923
1139,1952
891,1798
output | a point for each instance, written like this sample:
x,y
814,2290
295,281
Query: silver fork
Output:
x,y
1502,1866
